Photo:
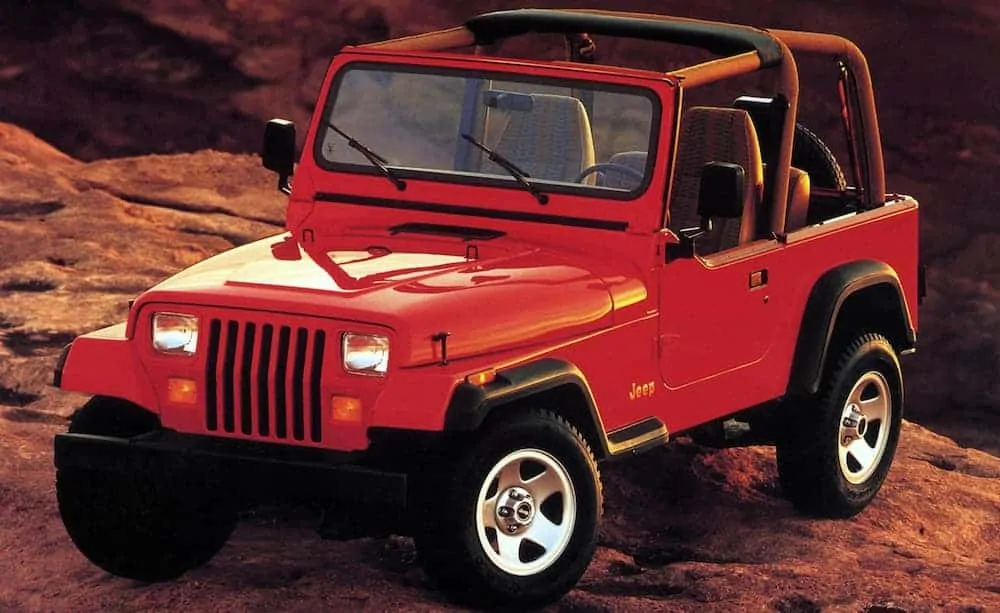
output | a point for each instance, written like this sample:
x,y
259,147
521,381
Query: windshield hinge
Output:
x,y
442,337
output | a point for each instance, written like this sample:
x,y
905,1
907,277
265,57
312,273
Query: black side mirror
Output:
x,y
278,151
720,196
722,190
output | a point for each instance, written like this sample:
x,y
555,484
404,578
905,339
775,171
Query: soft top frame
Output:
x,y
717,38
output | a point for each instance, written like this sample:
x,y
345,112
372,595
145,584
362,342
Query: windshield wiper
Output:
x,y
377,160
519,175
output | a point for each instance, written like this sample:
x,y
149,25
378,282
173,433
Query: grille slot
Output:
x,y
246,413
314,389
280,386
298,380
264,392
264,380
228,368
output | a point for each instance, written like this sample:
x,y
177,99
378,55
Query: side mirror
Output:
x,y
722,190
720,196
278,151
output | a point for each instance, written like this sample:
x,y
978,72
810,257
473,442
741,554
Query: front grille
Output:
x,y
263,380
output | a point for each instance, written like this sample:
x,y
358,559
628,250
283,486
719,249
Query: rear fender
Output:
x,y
826,306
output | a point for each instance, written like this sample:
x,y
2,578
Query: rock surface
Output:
x,y
80,240
686,530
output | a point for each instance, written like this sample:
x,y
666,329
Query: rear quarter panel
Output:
x,y
888,234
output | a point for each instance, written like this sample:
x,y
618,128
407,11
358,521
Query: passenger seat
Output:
x,y
799,188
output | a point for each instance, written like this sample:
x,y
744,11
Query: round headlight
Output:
x,y
366,354
175,333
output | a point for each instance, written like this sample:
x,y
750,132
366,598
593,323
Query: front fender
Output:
x,y
104,363
470,405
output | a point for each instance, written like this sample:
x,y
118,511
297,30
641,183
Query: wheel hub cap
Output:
x,y
864,427
854,424
515,510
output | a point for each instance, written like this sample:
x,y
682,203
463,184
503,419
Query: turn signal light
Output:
x,y
182,391
482,378
346,408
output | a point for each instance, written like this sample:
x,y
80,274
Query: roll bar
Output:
x,y
849,53
718,38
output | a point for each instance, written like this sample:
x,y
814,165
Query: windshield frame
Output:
x,y
494,71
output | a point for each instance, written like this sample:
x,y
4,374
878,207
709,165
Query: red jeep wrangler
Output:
x,y
496,274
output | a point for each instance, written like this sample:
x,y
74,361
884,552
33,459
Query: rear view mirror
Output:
x,y
507,101
278,151
722,191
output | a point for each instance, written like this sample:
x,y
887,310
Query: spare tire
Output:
x,y
810,154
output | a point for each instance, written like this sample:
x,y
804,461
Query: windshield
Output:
x,y
543,135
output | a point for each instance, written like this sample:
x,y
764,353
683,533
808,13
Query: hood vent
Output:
x,y
463,232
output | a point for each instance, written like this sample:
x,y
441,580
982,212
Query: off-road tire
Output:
x,y
448,542
813,475
810,154
107,416
149,525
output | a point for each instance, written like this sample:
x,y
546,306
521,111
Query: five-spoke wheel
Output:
x,y
512,516
528,513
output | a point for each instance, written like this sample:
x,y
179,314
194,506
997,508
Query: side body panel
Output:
x,y
713,320
749,360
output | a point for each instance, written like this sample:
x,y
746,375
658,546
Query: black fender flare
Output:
x,y
57,373
470,404
822,309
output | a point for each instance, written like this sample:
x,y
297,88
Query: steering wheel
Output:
x,y
610,166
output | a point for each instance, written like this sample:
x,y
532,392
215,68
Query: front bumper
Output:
x,y
247,470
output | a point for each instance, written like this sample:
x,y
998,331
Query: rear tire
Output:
x,y
834,454
513,519
149,525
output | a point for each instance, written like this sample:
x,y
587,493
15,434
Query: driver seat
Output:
x,y
716,134
551,141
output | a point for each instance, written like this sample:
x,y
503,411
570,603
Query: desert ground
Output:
x,y
125,136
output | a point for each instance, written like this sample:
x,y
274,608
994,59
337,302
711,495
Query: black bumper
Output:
x,y
248,470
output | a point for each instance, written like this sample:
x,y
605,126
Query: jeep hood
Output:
x,y
488,295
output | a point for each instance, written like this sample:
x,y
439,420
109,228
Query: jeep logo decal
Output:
x,y
642,390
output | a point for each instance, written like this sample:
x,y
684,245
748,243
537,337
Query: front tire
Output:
x,y
834,455
520,516
149,525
